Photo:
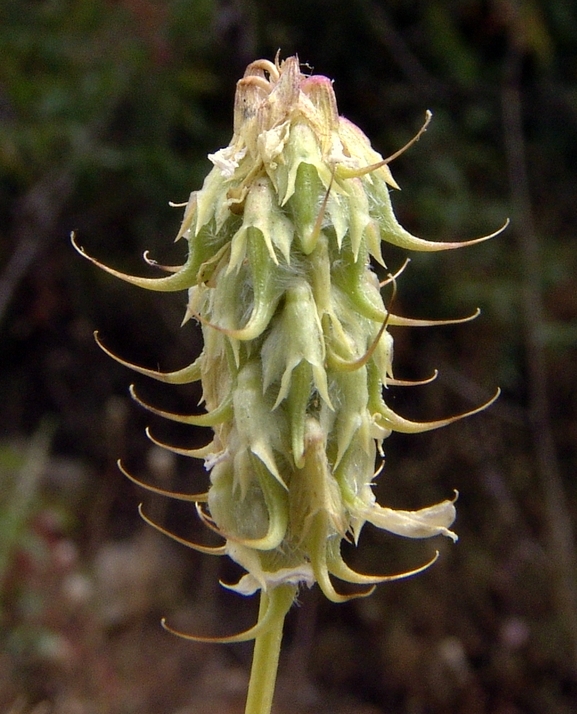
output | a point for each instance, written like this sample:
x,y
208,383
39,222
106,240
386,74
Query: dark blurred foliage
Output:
x,y
107,111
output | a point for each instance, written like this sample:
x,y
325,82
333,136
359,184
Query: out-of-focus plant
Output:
x,y
297,352
24,549
19,485
94,94
75,74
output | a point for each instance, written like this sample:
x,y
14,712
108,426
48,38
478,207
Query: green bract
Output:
x,y
297,351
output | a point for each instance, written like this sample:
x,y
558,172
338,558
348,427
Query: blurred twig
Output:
x,y
393,41
561,544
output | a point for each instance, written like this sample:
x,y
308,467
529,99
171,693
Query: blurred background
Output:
x,y
108,109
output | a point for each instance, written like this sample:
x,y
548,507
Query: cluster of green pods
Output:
x,y
297,352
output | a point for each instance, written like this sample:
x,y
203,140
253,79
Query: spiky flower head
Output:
x,y
297,351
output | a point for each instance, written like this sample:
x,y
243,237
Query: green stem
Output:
x,y
267,650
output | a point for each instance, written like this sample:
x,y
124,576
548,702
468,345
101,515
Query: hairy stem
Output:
x,y
267,650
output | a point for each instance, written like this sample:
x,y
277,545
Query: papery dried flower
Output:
x,y
297,350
